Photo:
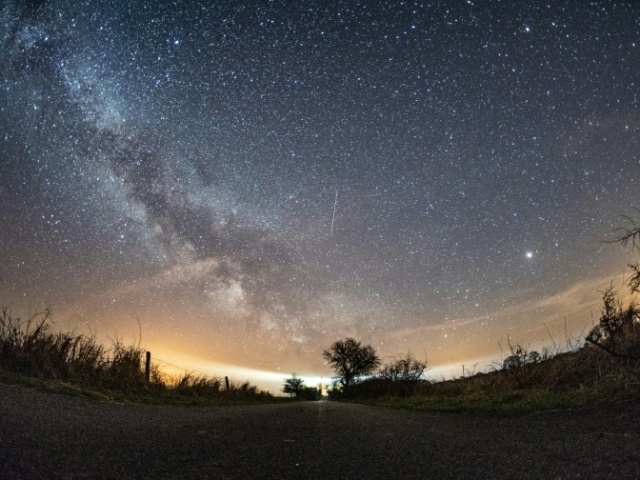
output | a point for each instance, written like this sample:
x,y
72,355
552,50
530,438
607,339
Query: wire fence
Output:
x,y
187,372
156,359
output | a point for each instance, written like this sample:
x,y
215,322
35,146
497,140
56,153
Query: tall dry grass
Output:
x,y
30,347
582,377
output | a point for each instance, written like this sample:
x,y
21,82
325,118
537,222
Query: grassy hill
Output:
x,y
583,378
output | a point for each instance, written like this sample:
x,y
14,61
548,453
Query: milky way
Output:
x,y
253,180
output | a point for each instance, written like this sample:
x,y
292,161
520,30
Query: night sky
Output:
x,y
255,180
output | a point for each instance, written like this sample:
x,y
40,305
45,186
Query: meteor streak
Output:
x,y
333,219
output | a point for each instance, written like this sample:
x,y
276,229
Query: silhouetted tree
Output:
x,y
350,359
294,386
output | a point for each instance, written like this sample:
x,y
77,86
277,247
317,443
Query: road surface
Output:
x,y
50,436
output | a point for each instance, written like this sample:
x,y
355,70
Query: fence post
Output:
x,y
147,368
226,381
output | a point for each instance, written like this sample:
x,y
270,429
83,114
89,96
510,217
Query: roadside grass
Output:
x,y
33,355
167,396
581,379
524,401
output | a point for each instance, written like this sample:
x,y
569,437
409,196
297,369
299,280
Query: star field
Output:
x,y
254,180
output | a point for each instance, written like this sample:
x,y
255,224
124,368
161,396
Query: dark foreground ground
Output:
x,y
49,436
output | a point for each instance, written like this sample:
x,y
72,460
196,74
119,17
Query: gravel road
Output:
x,y
49,436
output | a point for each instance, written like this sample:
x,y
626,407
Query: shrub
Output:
x,y
407,369
293,386
618,330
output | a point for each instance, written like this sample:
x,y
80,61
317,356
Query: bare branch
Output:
x,y
628,235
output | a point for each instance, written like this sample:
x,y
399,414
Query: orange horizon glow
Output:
x,y
479,343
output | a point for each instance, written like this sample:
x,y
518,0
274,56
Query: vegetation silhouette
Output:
x,y
404,369
293,386
30,349
520,357
618,330
350,360
603,369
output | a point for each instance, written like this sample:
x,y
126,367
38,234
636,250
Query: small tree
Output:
x,y
293,386
350,360
408,369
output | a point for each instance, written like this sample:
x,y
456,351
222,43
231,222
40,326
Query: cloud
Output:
x,y
578,305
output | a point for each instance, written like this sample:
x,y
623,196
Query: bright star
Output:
x,y
529,254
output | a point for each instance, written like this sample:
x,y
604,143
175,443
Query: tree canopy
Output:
x,y
293,386
350,359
